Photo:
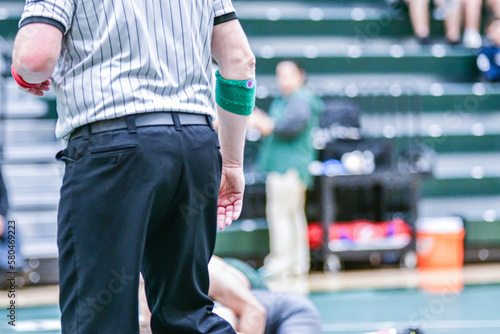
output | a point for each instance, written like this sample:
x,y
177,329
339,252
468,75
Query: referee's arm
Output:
x,y
36,51
236,61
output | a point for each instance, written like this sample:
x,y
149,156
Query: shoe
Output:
x,y
424,40
452,42
472,39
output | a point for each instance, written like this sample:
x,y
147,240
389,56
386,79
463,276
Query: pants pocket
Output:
x,y
104,151
63,156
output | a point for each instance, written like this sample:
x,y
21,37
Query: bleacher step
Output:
x,y
466,165
377,55
466,187
33,177
390,123
10,13
32,153
477,208
18,131
396,93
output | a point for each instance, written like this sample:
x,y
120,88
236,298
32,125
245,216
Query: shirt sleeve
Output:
x,y
58,13
223,7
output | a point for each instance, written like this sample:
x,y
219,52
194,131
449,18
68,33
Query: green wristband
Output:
x,y
236,96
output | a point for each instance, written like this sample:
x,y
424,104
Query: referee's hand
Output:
x,y
39,89
231,191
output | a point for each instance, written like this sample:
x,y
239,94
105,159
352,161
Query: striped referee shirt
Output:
x,y
122,57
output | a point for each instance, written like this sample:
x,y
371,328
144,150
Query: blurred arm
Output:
x,y
231,288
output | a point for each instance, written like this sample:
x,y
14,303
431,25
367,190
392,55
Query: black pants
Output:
x,y
139,199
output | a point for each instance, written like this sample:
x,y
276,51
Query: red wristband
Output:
x,y
20,81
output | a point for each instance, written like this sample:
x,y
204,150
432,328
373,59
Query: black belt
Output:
x,y
142,120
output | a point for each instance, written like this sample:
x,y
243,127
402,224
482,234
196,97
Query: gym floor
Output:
x,y
465,301
353,301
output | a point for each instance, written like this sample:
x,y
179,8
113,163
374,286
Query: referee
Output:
x,y
147,179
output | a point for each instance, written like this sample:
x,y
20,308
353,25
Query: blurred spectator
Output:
x,y
419,16
472,21
451,11
10,246
4,205
285,155
494,7
4,242
488,60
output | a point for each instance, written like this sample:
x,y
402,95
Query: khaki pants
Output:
x,y
286,218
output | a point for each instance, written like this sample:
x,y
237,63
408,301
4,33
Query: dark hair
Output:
x,y
297,63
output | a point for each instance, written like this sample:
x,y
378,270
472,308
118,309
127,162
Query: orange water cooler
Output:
x,y
440,253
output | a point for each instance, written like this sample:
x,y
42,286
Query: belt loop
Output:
x,y
131,126
177,122
86,132
209,122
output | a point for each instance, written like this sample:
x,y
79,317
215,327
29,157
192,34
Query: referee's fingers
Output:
x,y
35,91
224,216
237,207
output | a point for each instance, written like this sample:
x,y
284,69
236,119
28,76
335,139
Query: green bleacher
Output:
x,y
10,12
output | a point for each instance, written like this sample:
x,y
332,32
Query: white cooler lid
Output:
x,y
439,224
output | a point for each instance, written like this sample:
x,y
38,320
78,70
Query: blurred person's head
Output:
x,y
493,30
290,76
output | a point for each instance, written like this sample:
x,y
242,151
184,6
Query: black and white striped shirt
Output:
x,y
122,57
